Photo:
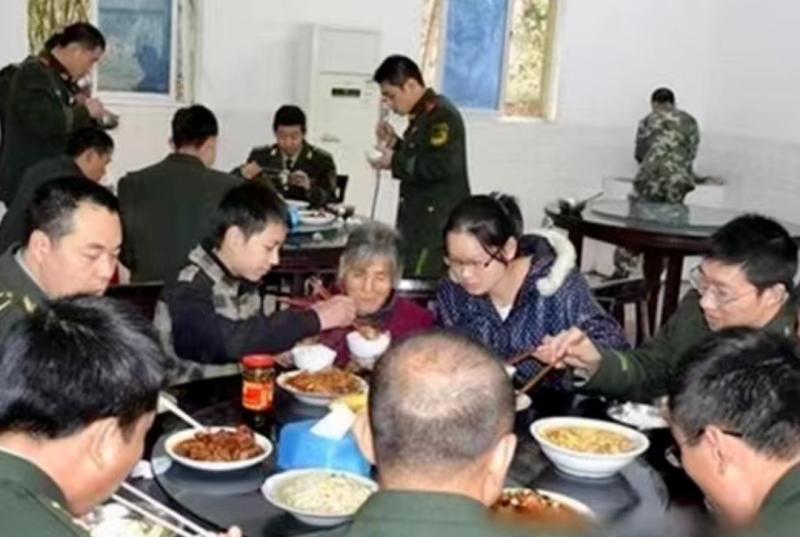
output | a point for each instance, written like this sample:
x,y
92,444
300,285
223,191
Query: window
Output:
x,y
490,54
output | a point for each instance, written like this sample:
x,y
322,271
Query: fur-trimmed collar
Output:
x,y
549,248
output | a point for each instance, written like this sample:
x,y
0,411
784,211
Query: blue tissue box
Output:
x,y
298,447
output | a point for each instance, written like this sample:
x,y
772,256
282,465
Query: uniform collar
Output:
x,y
187,159
14,467
425,103
17,272
47,57
785,491
420,506
785,322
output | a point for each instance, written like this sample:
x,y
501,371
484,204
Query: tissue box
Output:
x,y
298,447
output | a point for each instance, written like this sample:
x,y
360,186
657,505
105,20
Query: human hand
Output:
x,y
384,161
300,179
335,312
250,170
95,108
569,348
385,133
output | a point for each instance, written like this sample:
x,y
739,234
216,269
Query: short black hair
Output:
x,y
83,33
289,115
761,246
396,69
54,203
250,206
437,402
75,361
87,138
744,381
492,219
193,125
662,96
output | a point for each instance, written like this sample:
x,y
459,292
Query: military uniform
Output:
x,y
13,224
166,209
645,373
780,512
315,162
32,504
423,514
19,294
431,163
42,112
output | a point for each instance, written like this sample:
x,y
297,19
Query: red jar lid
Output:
x,y
256,361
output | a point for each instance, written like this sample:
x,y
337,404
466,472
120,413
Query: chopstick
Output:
x,y
521,357
198,529
296,302
540,375
175,409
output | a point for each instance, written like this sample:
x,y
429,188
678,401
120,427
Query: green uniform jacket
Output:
x,y
644,373
19,294
31,503
431,163
780,514
422,514
315,162
42,113
12,227
166,209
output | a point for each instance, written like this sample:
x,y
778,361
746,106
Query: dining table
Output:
x,y
663,233
650,497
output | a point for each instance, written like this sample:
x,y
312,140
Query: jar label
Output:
x,y
257,395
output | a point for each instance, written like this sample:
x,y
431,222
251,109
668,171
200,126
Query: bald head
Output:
x,y
438,402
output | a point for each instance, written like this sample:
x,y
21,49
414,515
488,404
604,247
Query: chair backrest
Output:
x,y
341,187
142,296
614,295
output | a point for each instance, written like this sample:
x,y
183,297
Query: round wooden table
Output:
x,y
663,233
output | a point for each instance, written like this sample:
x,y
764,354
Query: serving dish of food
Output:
x,y
218,449
115,520
643,417
319,388
315,217
319,497
586,447
542,508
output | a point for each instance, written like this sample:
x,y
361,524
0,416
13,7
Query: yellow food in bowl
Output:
x,y
589,440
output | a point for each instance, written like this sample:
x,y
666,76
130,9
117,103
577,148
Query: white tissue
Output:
x,y
336,424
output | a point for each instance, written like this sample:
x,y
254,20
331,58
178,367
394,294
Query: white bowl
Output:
x,y
591,465
313,357
209,466
315,399
367,349
273,485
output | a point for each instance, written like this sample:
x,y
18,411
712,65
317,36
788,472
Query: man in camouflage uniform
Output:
x,y
430,160
666,145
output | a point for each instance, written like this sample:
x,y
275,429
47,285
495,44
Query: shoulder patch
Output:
x,y
440,133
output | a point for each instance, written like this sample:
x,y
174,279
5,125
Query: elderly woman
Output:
x,y
369,270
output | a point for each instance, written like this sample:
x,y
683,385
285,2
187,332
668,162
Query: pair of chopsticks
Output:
x,y
166,402
318,291
184,526
541,375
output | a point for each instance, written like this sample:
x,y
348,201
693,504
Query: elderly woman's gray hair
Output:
x,y
368,242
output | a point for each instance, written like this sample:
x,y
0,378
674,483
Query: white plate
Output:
x,y
297,204
316,218
577,506
582,464
315,399
273,484
643,417
208,466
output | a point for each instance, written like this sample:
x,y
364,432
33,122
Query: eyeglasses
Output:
x,y
674,453
699,283
459,267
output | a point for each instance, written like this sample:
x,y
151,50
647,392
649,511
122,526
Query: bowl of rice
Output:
x,y
318,496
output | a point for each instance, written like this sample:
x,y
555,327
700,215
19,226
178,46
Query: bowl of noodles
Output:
x,y
318,496
586,447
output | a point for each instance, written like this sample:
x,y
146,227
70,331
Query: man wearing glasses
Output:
x,y
734,413
744,281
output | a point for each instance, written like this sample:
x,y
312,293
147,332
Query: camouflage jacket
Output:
x,y
666,145
208,320
431,163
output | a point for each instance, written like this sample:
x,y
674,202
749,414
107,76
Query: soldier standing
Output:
x,y
430,160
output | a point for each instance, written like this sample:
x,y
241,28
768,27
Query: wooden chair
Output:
x,y
614,295
142,296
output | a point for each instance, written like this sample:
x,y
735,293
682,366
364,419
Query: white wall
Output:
x,y
13,31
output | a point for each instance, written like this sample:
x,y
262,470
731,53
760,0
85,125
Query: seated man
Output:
x,y
734,413
743,281
214,314
166,206
441,413
297,169
89,152
79,383
73,238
